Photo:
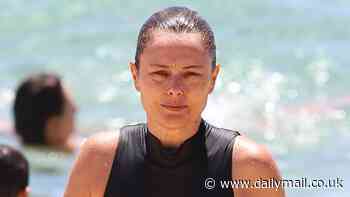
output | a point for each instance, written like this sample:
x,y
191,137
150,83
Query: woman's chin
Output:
x,y
173,122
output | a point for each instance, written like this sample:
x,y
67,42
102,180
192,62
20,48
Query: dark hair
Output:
x,y
38,98
176,20
14,172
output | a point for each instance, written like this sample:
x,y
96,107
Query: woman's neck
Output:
x,y
173,136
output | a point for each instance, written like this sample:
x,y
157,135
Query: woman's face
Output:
x,y
174,78
67,119
62,126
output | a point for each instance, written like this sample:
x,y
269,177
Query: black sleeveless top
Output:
x,y
143,167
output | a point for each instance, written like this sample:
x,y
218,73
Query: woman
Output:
x,y
176,153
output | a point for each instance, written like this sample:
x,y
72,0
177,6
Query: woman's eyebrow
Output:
x,y
193,66
184,67
160,65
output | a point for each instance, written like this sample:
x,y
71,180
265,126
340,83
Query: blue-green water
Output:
x,y
284,80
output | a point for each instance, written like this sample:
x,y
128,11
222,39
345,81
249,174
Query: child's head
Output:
x,y
14,173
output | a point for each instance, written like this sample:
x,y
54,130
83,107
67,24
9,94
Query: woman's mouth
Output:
x,y
175,108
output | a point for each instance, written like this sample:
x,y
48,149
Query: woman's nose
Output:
x,y
175,92
175,88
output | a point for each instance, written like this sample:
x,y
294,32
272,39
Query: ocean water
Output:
x,y
284,80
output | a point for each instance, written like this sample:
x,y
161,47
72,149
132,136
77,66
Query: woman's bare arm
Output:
x,y
91,170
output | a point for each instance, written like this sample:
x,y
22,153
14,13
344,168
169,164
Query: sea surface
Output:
x,y
284,82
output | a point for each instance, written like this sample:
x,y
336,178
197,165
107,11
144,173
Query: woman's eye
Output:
x,y
192,74
160,75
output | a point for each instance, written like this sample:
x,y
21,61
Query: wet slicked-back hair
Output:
x,y
176,20
38,98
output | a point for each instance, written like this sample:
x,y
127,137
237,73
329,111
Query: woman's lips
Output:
x,y
174,108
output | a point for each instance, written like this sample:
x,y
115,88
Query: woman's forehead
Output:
x,y
168,48
165,38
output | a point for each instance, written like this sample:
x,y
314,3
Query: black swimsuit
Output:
x,y
143,167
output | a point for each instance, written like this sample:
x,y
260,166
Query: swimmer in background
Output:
x,y
14,173
44,113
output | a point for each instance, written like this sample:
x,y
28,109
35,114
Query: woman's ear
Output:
x,y
135,75
213,76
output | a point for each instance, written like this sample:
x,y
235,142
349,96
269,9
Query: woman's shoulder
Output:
x,y
102,144
94,162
